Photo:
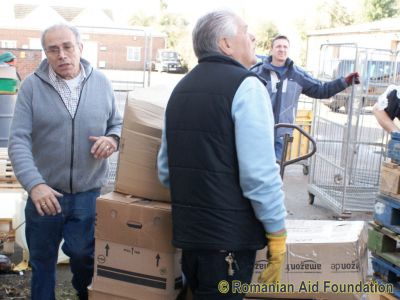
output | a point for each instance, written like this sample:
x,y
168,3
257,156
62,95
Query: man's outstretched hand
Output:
x,y
352,78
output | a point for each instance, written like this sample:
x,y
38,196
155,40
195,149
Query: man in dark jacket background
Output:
x,y
218,159
286,81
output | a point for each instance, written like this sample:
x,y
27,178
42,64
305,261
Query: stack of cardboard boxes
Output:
x,y
134,256
383,236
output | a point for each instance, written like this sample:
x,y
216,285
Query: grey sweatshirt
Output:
x,y
48,146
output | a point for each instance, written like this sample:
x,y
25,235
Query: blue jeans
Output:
x,y
44,234
278,148
205,269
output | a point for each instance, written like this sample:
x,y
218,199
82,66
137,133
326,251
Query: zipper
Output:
x,y
72,124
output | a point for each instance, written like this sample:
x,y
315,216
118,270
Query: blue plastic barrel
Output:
x,y
7,104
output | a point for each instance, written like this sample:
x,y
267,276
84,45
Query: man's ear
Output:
x,y
225,46
80,46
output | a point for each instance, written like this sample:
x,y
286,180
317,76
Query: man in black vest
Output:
x,y
217,156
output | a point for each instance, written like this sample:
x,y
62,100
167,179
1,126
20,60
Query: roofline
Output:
x,y
336,31
384,25
128,30
140,31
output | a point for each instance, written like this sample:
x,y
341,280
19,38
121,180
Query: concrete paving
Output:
x,y
297,199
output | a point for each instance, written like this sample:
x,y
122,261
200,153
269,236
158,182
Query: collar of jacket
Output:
x,y
219,58
43,70
268,63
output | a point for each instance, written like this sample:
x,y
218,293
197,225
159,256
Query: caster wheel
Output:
x,y
311,198
306,171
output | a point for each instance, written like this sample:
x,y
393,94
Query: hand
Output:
x,y
45,200
276,249
352,76
103,147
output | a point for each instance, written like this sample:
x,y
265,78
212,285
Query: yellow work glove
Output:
x,y
276,244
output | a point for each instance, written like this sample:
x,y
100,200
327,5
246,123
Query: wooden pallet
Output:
x,y
382,297
7,237
8,180
386,211
386,273
384,243
6,171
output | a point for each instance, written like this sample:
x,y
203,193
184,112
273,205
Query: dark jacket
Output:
x,y
208,207
285,91
393,107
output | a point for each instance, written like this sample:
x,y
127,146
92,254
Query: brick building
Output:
x,y
105,44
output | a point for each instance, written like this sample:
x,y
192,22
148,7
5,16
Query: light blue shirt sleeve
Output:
x,y
259,174
162,160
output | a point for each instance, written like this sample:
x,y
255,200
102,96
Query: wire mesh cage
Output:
x,y
350,145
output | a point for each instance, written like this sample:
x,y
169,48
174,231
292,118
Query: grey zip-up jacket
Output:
x,y
48,146
285,92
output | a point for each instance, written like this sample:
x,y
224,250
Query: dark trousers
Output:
x,y
207,273
43,234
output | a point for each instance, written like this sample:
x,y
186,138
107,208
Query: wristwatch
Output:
x,y
116,138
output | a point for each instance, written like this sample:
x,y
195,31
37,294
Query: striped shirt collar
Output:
x,y
54,77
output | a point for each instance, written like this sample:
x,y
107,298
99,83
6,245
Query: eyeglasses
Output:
x,y
55,50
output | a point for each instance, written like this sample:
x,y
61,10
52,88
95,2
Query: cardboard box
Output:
x,y
139,145
320,255
134,256
97,295
133,221
136,273
390,180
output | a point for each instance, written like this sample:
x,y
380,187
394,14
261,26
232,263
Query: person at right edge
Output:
x,y
217,156
387,108
286,81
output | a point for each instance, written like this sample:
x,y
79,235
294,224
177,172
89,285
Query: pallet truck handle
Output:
x,y
286,139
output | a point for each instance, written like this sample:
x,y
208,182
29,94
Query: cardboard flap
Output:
x,y
144,117
136,222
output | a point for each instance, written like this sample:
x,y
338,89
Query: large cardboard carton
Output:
x,y
134,256
321,255
133,221
390,179
139,145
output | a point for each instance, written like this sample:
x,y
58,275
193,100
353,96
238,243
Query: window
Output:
x,y
133,54
8,44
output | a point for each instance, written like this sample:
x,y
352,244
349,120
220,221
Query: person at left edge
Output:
x,y
65,126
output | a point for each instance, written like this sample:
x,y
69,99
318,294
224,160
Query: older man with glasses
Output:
x,y
65,126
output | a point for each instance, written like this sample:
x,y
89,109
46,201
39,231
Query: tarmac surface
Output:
x,y
297,200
